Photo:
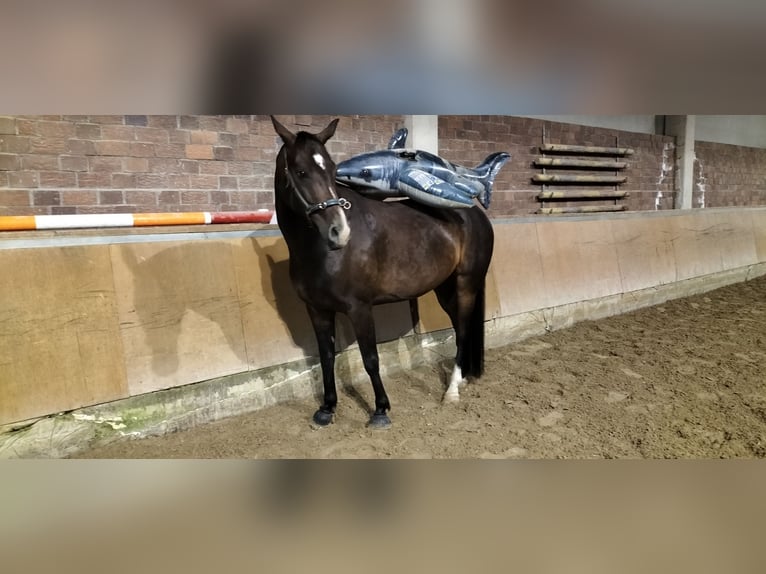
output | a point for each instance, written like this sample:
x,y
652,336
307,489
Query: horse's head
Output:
x,y
310,179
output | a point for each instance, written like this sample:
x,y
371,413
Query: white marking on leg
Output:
x,y
453,395
319,160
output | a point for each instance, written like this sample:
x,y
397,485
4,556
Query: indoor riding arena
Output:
x,y
147,308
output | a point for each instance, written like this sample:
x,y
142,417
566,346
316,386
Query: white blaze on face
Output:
x,y
319,160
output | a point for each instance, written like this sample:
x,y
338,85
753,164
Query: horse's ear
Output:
x,y
328,132
287,136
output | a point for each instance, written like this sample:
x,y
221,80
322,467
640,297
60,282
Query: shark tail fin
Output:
x,y
488,170
399,139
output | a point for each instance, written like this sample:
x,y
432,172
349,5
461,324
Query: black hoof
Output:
x,y
379,421
322,418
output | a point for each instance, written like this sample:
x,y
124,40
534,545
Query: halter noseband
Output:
x,y
312,208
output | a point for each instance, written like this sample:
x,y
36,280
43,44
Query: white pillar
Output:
x,y
682,127
424,133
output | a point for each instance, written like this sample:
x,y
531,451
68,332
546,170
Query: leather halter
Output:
x,y
312,208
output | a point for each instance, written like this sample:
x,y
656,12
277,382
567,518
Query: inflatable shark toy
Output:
x,y
420,175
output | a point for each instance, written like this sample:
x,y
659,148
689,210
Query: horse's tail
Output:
x,y
487,171
473,356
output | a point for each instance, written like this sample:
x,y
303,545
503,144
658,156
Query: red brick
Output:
x,y
194,197
123,180
7,125
14,197
79,197
96,179
212,123
210,167
197,151
73,163
107,120
81,147
188,122
23,179
151,180
38,162
179,136
110,164
264,198
228,182
250,182
9,161
203,137
240,168
136,120
15,144
162,121
179,181
218,197
169,197
61,130
164,165
203,181
237,126
139,149
58,179
152,135
170,150
135,164
189,166
46,197
112,148
141,197
228,140
223,153
111,197
247,153
61,210
244,198
119,133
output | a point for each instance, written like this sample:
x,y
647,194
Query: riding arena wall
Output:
x,y
107,333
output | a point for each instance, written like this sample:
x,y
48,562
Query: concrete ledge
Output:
x,y
189,405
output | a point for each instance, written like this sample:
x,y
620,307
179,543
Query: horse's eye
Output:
x,y
301,173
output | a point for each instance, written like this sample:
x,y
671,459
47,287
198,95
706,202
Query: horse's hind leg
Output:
x,y
324,329
364,328
458,297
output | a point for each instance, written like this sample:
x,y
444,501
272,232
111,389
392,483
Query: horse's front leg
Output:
x,y
364,328
324,329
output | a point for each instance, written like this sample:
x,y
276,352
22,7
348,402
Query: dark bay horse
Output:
x,y
349,252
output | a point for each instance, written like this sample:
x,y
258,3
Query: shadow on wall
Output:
x,y
209,308
167,285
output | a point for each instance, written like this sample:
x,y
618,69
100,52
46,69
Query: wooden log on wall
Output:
x,y
581,179
584,194
584,149
585,163
582,209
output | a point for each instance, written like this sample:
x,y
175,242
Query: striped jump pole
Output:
x,y
96,220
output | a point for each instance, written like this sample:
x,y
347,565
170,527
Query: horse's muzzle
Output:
x,y
338,234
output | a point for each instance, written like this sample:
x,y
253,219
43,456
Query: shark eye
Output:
x,y
366,172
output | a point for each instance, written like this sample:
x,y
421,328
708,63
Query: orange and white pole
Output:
x,y
97,220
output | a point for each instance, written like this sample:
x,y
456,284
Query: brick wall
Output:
x,y
469,139
93,164
109,164
727,175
